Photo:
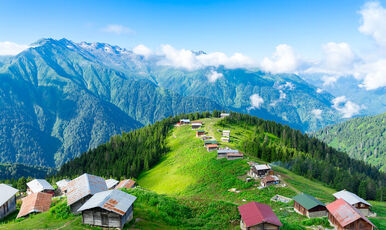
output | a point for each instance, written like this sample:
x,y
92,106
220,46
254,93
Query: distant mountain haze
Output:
x,y
62,98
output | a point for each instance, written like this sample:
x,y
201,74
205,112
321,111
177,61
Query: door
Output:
x,y
105,219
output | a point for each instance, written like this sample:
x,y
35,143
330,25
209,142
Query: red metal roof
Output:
x,y
35,202
212,146
254,213
126,184
344,213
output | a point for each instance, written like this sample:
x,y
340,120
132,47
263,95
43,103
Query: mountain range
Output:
x,y
62,98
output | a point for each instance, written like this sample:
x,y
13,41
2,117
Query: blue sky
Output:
x,y
253,28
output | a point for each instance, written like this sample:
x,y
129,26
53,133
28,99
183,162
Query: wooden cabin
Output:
x,y
184,122
258,171
128,183
355,201
225,139
222,153
210,142
35,203
82,188
258,216
7,200
235,156
196,124
211,147
108,209
344,216
269,180
309,206
62,187
226,133
40,185
200,133
222,115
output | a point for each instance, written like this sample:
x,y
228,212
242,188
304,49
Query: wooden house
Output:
x,y
200,133
235,156
62,187
225,139
196,124
82,188
184,122
222,153
40,185
35,203
211,147
7,200
269,180
222,115
354,200
309,206
344,216
226,133
128,183
258,216
108,209
210,142
258,171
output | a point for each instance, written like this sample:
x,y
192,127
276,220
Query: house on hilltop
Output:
x,y
309,206
62,187
7,200
111,183
128,183
211,147
222,153
258,216
196,124
35,203
40,185
108,209
82,188
210,142
257,171
225,139
226,133
344,216
269,180
235,156
355,201
222,115
200,133
184,122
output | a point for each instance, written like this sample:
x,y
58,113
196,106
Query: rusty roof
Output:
x,y
112,200
270,178
35,202
235,154
254,213
344,213
212,146
84,185
126,184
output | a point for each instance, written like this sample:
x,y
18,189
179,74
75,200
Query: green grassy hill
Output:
x,y
188,188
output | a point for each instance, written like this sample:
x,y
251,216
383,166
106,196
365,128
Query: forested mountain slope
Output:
x,y
362,138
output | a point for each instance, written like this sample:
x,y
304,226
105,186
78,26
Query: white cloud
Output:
x,y
142,50
345,107
317,113
338,57
318,90
117,29
256,101
183,58
329,80
283,60
373,74
213,76
11,48
373,22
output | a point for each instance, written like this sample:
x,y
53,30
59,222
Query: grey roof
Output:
x,y
226,131
62,183
262,167
185,120
39,185
110,183
224,151
6,193
84,185
350,197
112,200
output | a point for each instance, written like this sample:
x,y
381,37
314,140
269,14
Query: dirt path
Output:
x,y
68,223
282,176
